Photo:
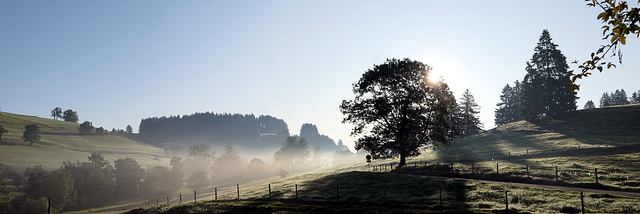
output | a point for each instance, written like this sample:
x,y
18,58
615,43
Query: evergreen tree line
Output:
x,y
247,132
619,97
542,94
213,127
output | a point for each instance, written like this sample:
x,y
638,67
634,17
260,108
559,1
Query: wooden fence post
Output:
x,y
506,200
49,207
194,196
180,199
296,191
556,173
472,171
451,169
582,201
497,169
269,190
215,193
527,171
238,190
157,202
597,176
527,151
167,200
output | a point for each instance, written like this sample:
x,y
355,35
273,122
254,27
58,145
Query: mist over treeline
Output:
x,y
97,182
246,132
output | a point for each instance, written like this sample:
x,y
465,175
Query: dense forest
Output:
x,y
247,132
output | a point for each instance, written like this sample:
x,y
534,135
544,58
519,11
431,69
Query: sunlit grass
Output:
x,y
60,142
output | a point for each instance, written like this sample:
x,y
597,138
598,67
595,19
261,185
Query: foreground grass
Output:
x,y
60,142
368,192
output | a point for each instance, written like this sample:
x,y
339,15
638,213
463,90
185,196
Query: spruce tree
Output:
x,y
511,103
545,94
469,111
635,97
589,105
605,100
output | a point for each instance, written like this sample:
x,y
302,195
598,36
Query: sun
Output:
x,y
434,76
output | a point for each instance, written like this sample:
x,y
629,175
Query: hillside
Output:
x,y
600,127
60,142
551,143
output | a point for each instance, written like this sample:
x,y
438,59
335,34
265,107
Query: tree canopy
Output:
x,y
510,105
70,116
618,97
31,134
56,113
468,110
544,95
2,131
293,154
86,128
589,105
397,109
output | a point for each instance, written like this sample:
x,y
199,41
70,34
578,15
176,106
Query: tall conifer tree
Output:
x,y
510,104
545,94
469,110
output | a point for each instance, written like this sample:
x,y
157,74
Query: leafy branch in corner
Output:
x,y
619,20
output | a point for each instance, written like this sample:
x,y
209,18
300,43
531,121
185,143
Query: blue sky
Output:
x,y
118,62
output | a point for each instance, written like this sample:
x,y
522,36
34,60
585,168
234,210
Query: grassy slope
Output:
x,y
587,128
60,142
406,193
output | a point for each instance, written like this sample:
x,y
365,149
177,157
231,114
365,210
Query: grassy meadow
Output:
x,y
60,142
608,139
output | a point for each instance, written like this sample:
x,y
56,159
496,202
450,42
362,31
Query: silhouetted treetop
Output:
x,y
214,128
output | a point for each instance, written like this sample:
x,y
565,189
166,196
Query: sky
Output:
x,y
117,62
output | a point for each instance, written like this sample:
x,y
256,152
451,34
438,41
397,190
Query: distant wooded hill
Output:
x,y
244,131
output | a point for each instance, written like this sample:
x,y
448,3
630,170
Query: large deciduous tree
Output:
x,y
86,128
70,116
293,154
544,94
31,134
128,174
57,184
397,109
56,113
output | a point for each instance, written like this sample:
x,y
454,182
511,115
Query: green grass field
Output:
x,y
60,142
541,146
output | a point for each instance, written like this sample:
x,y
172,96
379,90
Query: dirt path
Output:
x,y
577,189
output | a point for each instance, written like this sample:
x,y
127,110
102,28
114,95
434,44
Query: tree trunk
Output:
x,y
403,161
